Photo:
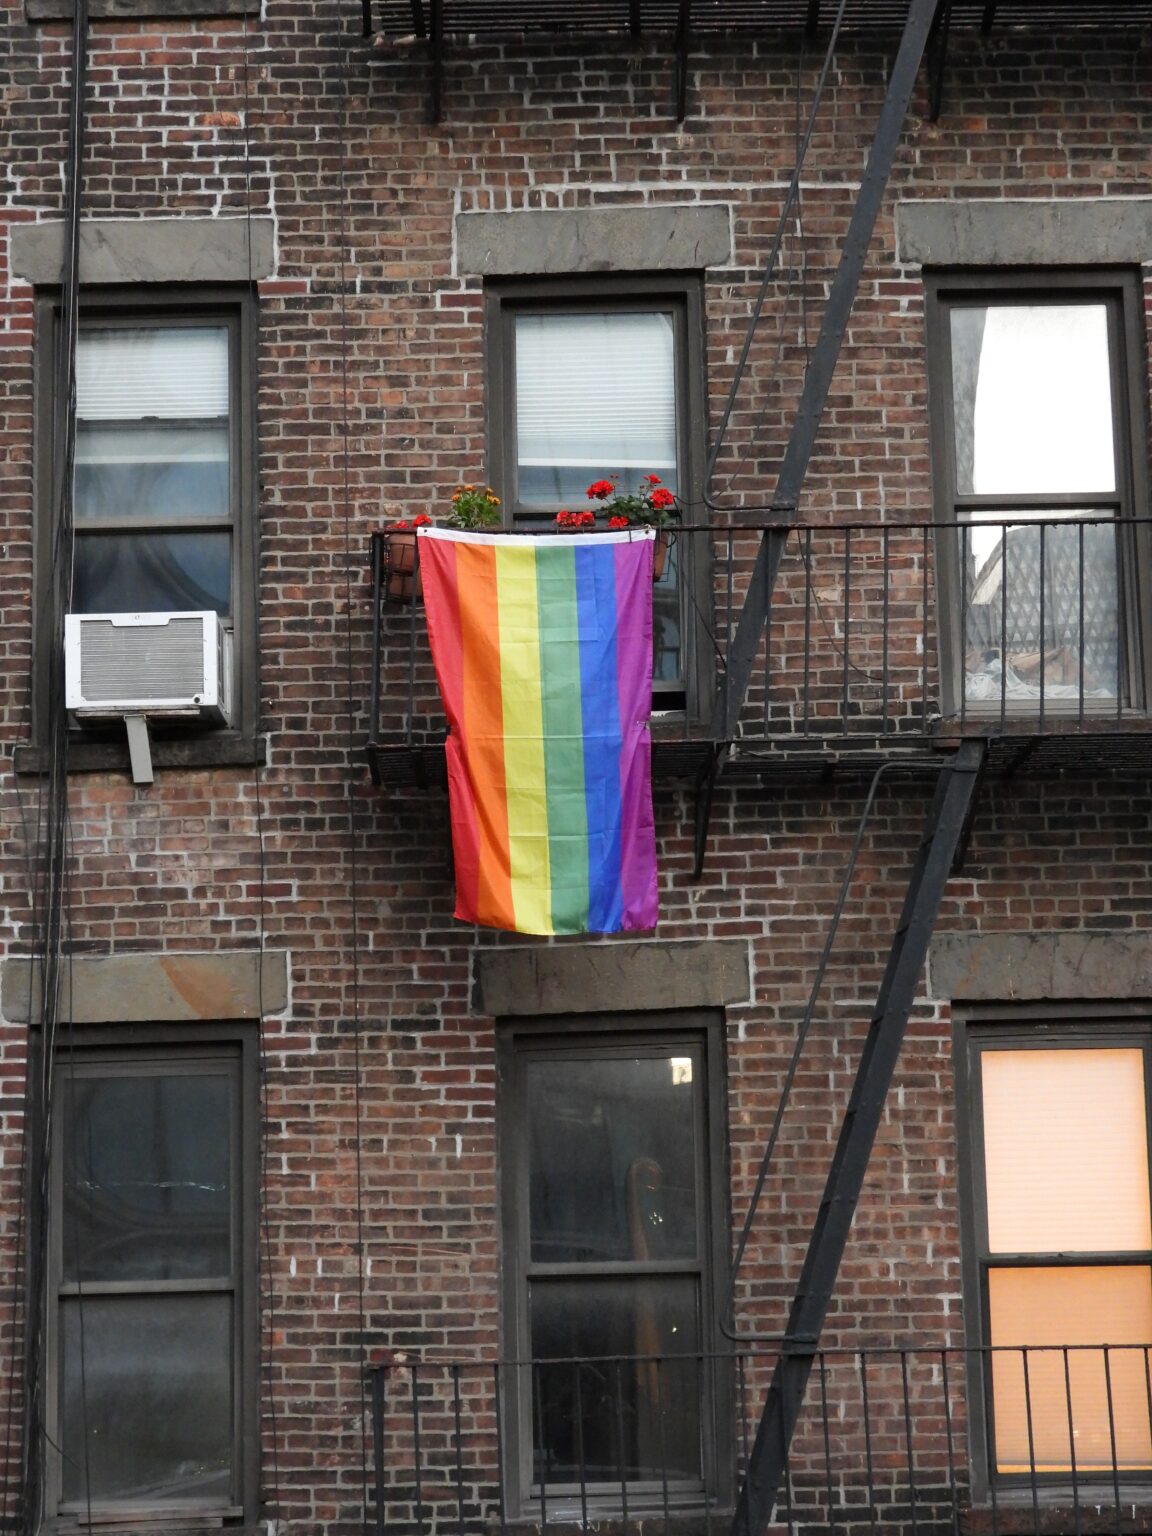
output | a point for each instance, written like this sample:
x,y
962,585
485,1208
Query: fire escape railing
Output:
x,y
878,637
1052,1438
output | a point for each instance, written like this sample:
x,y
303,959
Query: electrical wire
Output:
x,y
350,682
725,1318
264,1240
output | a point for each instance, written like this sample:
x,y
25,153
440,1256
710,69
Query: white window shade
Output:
x,y
157,372
597,391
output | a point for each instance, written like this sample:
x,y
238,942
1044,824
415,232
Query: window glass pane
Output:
x,y
147,1178
151,373
147,1398
632,1415
169,471
613,1148
595,397
152,573
1061,1307
1066,1151
1032,399
1042,611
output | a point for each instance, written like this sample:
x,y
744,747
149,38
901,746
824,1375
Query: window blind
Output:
x,y
130,374
596,390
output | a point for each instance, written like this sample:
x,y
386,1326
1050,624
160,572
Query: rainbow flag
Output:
x,y
543,651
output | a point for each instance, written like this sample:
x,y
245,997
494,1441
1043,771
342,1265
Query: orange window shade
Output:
x,y
1066,1151
1057,1307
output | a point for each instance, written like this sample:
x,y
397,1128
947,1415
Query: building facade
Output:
x,y
321,1207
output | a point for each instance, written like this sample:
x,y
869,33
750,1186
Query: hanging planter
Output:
x,y
660,553
401,567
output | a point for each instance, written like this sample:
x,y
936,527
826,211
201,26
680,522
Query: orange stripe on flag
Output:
x,y
484,729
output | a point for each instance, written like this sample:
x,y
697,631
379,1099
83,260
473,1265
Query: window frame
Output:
x,y
683,295
1120,289
574,1036
165,1050
235,308
1023,1027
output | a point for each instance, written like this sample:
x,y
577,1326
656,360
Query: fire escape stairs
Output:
x,y
939,853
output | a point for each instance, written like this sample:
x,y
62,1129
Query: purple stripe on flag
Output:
x,y
634,672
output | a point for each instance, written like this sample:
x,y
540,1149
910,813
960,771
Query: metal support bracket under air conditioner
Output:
x,y
139,748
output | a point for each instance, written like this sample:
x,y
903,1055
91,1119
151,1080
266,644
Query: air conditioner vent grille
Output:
x,y
172,659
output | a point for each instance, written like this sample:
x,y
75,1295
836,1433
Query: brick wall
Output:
x,y
380,1078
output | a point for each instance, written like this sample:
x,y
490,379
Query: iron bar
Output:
x,y
908,1441
953,1498
930,874
1071,1440
1031,1445
1112,1436
377,1392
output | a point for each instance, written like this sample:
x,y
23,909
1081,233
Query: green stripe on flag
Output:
x,y
563,736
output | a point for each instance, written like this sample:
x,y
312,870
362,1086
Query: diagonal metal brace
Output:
x,y
818,379
947,818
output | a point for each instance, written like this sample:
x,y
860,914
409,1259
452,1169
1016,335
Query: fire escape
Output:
x,y
787,702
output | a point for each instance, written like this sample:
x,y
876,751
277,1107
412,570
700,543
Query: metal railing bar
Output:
x,y
885,579
1080,630
807,545
1031,1445
619,1402
1071,1441
419,1463
908,1442
459,1450
501,1469
1043,626
580,1457
1112,1436
953,1495
663,1441
540,1438
377,1392
847,624
823,1371
863,1359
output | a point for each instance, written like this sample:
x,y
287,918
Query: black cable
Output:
x,y
350,702
725,1318
51,892
774,251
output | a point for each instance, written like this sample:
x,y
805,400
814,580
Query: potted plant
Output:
x,y
401,573
475,506
652,506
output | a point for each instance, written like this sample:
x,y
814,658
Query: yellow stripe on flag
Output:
x,y
524,738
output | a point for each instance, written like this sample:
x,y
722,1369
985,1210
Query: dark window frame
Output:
x,y
574,1036
99,746
1121,290
170,1050
1022,1027
683,295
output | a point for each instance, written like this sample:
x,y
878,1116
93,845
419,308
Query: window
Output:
x,y
1061,1250
610,1157
163,481
599,379
1038,455
151,1301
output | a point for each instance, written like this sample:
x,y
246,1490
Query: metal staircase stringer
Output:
x,y
944,830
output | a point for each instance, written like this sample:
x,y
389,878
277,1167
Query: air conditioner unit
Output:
x,y
164,665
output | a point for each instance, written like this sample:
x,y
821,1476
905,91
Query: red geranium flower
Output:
x,y
600,490
652,479
663,499
618,522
